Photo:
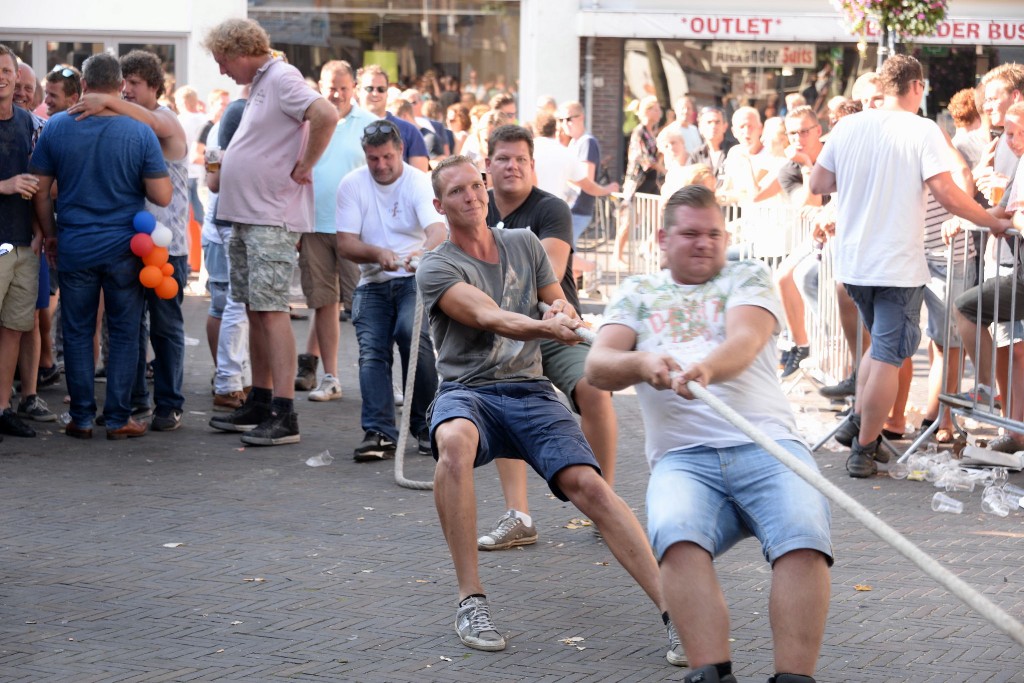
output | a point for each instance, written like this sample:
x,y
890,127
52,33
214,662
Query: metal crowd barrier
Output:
x,y
768,232
1004,262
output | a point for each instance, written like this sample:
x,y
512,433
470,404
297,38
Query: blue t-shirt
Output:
x,y
412,139
16,137
99,164
586,149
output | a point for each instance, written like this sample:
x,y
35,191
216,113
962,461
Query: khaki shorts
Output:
x,y
563,365
326,277
19,289
262,258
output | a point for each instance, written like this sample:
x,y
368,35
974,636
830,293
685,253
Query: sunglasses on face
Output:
x,y
376,88
567,119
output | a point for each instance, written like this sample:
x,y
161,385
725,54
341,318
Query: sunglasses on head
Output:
x,y
379,128
63,70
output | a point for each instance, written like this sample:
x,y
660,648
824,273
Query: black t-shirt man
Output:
x,y
547,216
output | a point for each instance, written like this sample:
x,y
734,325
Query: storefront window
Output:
x,y
162,50
731,74
70,53
21,48
411,39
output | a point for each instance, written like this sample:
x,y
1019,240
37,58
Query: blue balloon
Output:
x,y
144,221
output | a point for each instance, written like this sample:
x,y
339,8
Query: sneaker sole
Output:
x,y
44,418
508,544
169,428
675,660
484,645
232,427
373,456
267,441
323,398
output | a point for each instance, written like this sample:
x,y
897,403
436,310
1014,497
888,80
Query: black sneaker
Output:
x,y
166,420
375,446
275,430
101,374
796,356
250,416
12,425
845,388
861,463
784,357
423,442
790,678
34,408
48,377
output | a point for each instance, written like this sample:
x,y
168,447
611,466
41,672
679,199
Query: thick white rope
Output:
x,y
410,383
954,584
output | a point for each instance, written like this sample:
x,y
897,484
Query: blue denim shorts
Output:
x,y
523,420
715,497
893,317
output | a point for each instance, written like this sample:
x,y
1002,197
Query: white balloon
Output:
x,y
161,235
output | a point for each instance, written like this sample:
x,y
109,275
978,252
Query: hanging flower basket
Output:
x,y
905,18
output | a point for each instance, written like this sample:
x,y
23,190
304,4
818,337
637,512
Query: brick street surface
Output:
x,y
289,572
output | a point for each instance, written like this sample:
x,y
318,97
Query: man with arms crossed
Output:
x,y
710,486
481,289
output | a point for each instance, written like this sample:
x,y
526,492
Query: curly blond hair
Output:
x,y
237,38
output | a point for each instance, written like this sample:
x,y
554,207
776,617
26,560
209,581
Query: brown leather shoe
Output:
x,y
229,402
131,429
76,432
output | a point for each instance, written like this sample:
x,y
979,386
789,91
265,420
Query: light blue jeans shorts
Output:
x,y
716,497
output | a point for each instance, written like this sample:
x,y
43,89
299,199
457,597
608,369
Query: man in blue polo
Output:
x,y
373,97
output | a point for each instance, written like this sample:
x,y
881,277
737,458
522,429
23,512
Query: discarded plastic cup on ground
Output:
x,y
899,470
1012,495
320,459
957,480
943,503
995,505
65,418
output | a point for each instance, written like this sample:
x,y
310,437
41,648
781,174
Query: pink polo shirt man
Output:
x,y
256,185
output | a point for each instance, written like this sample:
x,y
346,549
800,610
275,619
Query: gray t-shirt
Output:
x,y
475,357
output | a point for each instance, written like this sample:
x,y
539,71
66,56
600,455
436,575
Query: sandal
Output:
x,y
943,435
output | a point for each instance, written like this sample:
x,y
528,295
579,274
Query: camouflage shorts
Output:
x,y
262,258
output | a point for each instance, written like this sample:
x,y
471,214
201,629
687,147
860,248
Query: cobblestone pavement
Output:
x,y
289,572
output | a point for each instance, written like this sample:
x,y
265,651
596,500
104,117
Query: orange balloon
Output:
x,y
150,276
167,269
157,257
167,289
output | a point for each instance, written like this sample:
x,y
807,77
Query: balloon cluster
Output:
x,y
150,244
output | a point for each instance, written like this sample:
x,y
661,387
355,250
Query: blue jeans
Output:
x,y
167,334
383,315
123,300
193,198
714,497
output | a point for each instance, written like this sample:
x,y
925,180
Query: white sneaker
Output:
x,y
399,397
329,389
